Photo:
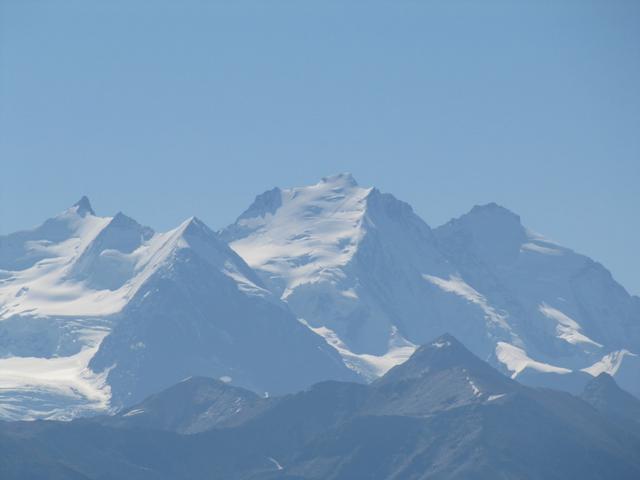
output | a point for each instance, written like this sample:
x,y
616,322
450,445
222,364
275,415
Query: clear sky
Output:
x,y
167,109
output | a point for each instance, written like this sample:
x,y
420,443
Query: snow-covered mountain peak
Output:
x,y
109,261
358,264
75,221
80,264
191,239
340,180
79,279
303,235
298,235
75,224
193,226
386,206
193,233
353,265
83,207
264,204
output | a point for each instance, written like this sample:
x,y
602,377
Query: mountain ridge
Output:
x,y
483,276
100,299
351,272
339,430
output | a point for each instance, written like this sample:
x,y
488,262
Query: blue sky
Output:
x,y
169,109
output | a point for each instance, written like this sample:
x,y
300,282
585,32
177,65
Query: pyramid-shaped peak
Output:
x,y
201,238
121,223
441,374
442,353
604,379
194,229
602,384
120,219
605,395
445,345
83,206
193,225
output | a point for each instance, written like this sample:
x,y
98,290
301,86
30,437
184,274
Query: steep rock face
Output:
x,y
360,268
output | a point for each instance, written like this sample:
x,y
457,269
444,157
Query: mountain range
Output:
x,y
331,281
444,413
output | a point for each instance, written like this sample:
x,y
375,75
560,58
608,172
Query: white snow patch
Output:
x,y
458,286
474,388
537,248
244,284
134,412
315,231
349,293
446,343
610,363
276,463
495,397
367,365
516,360
567,328
67,377
226,379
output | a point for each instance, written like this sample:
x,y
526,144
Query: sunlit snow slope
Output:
x,y
360,268
328,281
98,312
